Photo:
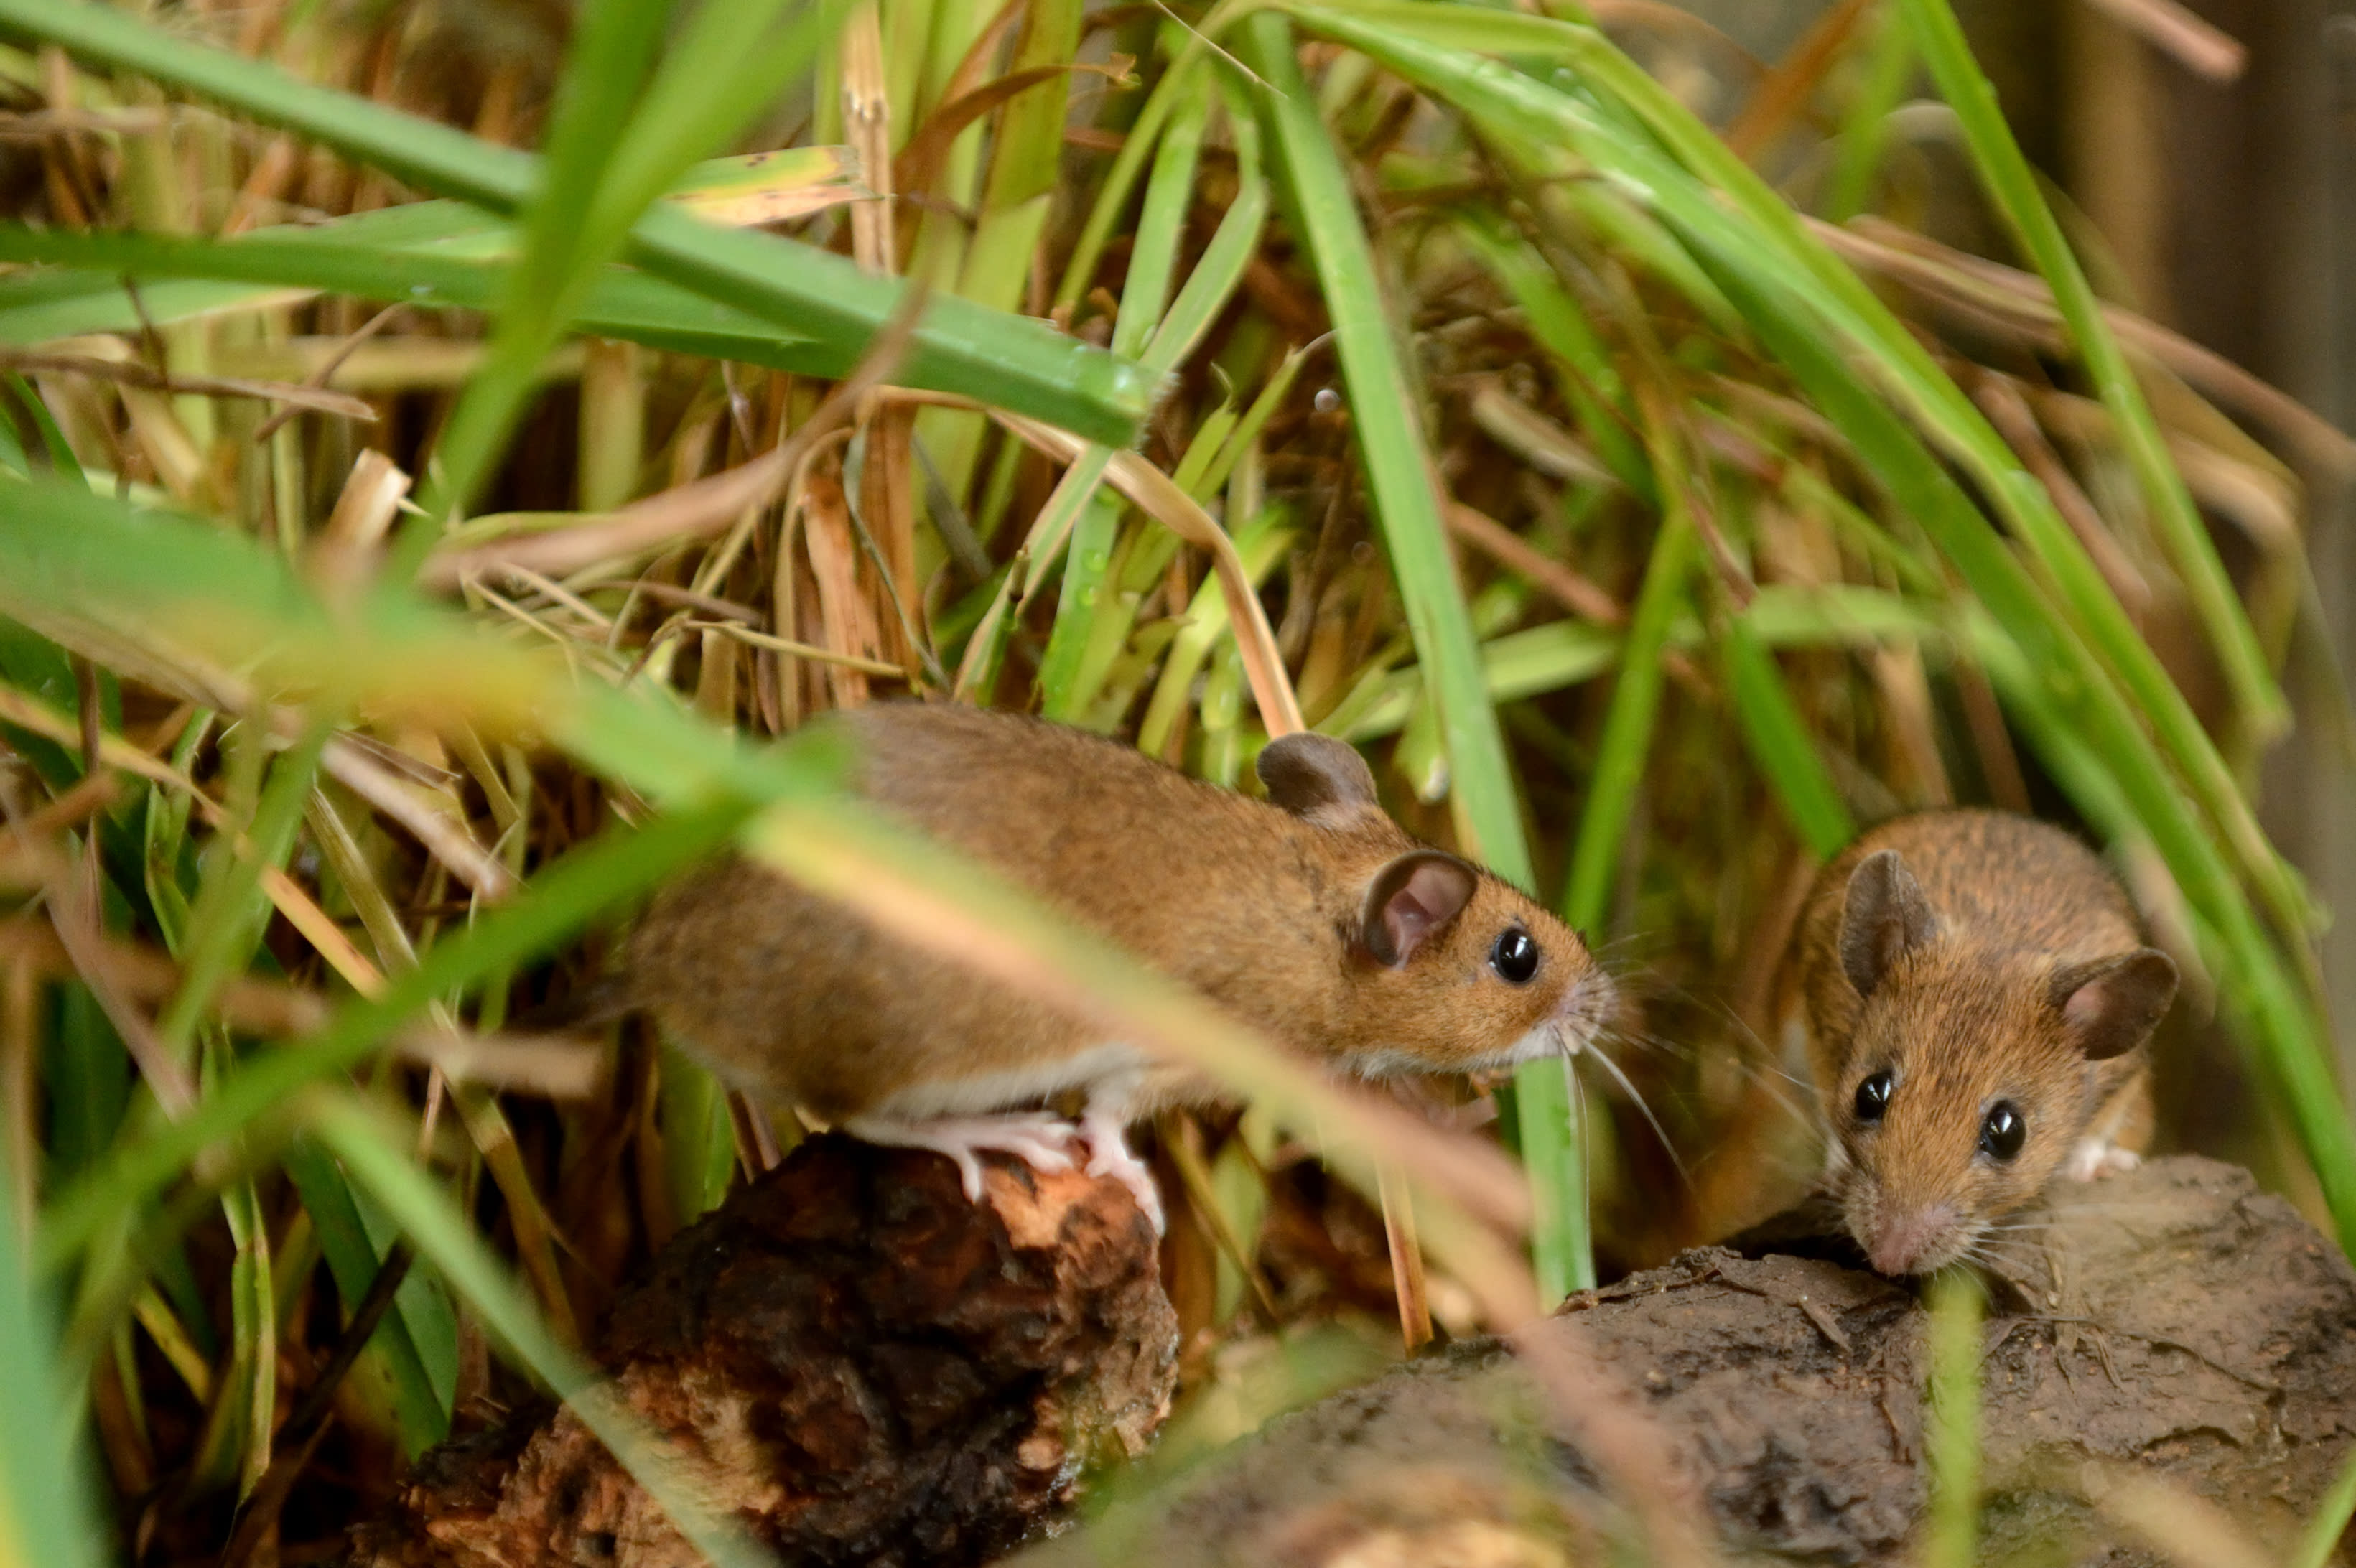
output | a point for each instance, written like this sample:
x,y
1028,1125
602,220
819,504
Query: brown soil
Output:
x,y
2173,1324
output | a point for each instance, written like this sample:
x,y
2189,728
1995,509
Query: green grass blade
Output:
x,y
1154,260
48,1513
1026,158
1953,1441
1384,406
613,42
373,251
728,62
1589,382
1620,754
1383,403
1203,624
698,1137
1866,129
2258,703
618,304
421,1396
1162,223
1086,588
958,346
1780,741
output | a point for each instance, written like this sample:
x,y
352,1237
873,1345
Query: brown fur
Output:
x,y
1257,907
1976,1015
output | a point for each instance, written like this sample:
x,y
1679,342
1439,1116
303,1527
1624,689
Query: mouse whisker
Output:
x,y
1658,1131
1578,1128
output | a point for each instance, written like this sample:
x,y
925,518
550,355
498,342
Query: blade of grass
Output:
x,y
1867,126
620,303
47,1514
35,308
1780,741
1384,404
2258,704
959,347
718,73
1408,506
613,43
1619,753
422,1391
1203,623
1589,382
1390,443
1153,259
1953,1439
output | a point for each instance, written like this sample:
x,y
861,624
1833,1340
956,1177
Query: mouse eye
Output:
x,y
1873,1095
1516,956
2003,1130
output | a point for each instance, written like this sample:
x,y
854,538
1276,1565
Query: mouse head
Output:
x,y
1446,968
1972,1072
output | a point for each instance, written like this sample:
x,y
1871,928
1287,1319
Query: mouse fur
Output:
x,y
1968,962
1311,916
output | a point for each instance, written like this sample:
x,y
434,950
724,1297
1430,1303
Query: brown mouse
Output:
x,y
1974,995
1311,916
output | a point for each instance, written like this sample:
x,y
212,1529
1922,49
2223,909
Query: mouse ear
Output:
x,y
2110,1005
1409,900
1317,778
1885,914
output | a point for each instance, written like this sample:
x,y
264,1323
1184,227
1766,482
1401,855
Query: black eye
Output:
x,y
1873,1095
1516,956
2003,1130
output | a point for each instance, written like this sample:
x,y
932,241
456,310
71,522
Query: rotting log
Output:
x,y
875,1370
2171,1325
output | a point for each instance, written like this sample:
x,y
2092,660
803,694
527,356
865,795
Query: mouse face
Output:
x,y
1972,1072
1445,969
1452,971
1960,1102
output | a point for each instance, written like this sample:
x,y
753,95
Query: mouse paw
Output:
x,y
1109,1155
2095,1159
1038,1139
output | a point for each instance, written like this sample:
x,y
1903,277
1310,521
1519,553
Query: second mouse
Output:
x,y
1972,995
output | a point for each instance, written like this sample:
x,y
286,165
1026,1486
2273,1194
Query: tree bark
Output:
x,y
878,1371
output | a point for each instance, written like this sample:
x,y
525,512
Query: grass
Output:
x,y
1551,447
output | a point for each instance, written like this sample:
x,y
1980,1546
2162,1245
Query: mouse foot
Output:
x,y
1038,1139
2093,1159
1109,1155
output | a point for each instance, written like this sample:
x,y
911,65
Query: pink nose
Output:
x,y
1905,1239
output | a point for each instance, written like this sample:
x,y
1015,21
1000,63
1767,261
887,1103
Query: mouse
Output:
x,y
1311,916
1972,995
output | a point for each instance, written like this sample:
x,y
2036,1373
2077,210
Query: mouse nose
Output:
x,y
1904,1239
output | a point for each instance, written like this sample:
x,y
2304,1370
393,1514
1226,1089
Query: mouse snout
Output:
x,y
1904,1239
1586,1010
